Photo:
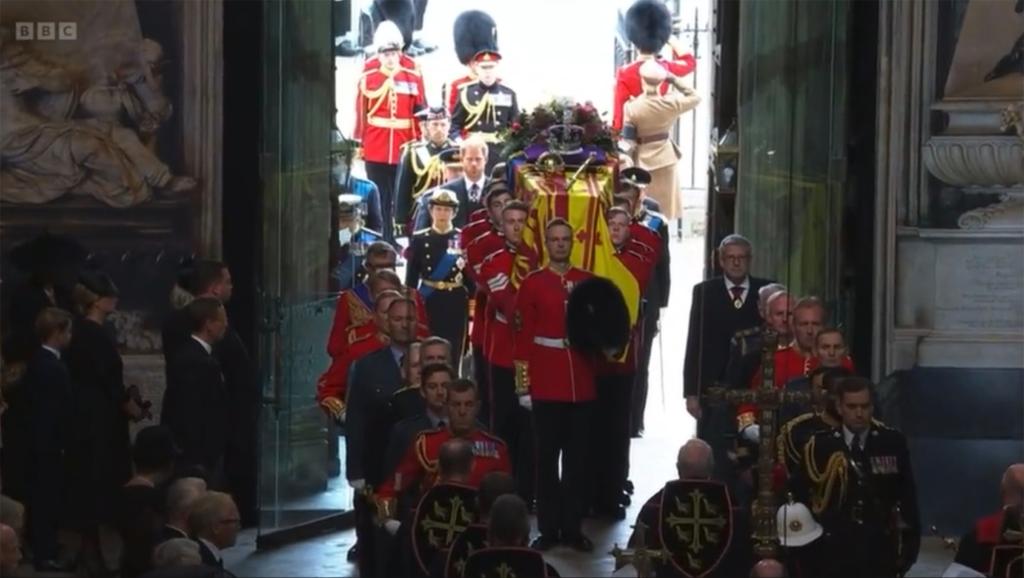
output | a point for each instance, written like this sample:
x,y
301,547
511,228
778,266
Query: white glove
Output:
x,y
752,433
526,401
392,526
357,485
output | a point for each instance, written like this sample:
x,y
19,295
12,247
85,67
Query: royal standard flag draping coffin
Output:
x,y
583,206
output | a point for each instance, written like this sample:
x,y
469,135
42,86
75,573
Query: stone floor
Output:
x,y
653,463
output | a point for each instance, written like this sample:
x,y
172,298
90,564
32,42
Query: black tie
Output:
x,y
474,193
857,452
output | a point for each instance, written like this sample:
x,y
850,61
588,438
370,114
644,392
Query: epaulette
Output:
x,y
880,424
415,72
539,271
491,255
797,420
404,389
484,235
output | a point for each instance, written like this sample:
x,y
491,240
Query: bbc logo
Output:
x,y
46,31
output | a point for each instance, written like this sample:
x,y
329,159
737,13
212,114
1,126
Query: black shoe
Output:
x,y
424,47
543,543
580,543
347,49
353,552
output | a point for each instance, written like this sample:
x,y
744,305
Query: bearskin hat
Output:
x,y
474,32
648,25
402,14
596,317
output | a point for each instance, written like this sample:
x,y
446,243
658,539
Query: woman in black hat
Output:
x,y
99,455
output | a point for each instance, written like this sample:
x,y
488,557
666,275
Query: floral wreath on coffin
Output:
x,y
559,124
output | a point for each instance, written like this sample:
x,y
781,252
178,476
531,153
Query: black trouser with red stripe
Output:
x,y
563,429
383,175
512,423
609,445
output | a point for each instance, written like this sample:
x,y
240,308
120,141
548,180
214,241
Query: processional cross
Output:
x,y
640,556
768,400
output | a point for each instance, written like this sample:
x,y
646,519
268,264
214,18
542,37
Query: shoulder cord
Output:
x,y
474,112
824,482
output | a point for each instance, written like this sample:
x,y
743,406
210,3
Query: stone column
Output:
x,y
202,101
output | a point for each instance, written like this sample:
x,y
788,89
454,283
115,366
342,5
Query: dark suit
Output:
x,y
174,333
714,319
196,410
207,556
466,206
372,381
47,385
170,533
243,397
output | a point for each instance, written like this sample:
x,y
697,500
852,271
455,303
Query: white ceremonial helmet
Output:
x,y
796,526
387,37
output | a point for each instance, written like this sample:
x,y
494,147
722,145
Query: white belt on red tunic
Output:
x,y
553,342
500,317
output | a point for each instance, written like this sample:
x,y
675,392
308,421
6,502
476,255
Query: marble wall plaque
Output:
x,y
979,287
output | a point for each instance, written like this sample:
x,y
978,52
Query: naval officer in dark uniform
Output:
x,y
421,167
858,481
435,267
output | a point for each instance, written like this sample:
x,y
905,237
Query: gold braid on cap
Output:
x,y
825,482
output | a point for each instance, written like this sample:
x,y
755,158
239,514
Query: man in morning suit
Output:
x,y
195,406
721,306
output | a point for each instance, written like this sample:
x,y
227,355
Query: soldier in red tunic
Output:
x,y
610,444
387,100
331,388
482,237
649,28
353,311
556,381
472,29
417,471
